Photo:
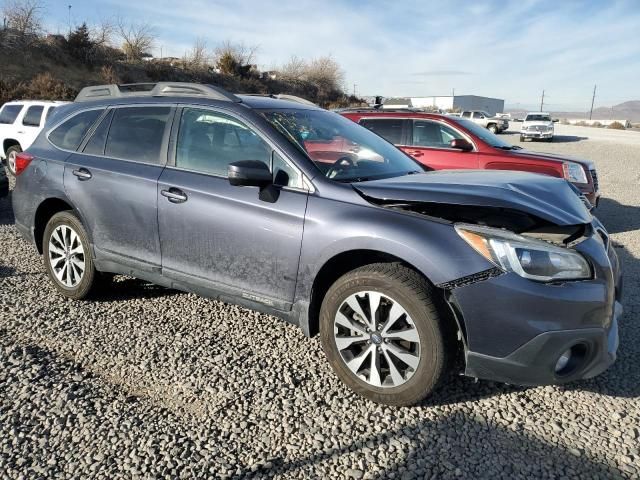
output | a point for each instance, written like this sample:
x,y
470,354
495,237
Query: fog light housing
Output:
x,y
570,360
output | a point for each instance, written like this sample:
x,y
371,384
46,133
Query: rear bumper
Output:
x,y
534,363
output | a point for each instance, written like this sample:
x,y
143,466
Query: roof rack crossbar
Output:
x,y
160,89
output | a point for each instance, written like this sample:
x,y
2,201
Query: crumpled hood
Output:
x,y
549,198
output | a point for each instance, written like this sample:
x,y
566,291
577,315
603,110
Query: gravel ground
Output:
x,y
144,382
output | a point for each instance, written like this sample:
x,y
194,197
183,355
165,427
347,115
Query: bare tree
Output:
x,y
102,33
137,38
235,58
199,55
295,69
325,73
23,16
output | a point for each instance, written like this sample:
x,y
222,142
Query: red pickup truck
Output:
x,y
448,142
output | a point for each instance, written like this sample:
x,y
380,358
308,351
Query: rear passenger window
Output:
x,y
49,112
32,116
208,142
96,144
70,133
9,113
136,133
389,129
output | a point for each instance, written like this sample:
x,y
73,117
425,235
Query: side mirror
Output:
x,y
249,173
461,144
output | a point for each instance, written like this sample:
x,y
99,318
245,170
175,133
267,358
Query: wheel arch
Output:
x,y
337,266
8,143
47,209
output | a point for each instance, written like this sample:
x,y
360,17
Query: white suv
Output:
x,y
20,124
537,125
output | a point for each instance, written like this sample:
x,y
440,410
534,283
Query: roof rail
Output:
x,y
283,96
160,89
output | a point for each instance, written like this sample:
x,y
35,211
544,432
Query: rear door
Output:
x,y
112,180
429,144
223,238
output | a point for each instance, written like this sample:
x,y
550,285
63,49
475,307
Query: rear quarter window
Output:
x,y
9,113
69,134
390,129
32,116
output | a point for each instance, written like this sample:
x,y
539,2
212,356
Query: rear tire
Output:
x,y
67,256
405,357
12,152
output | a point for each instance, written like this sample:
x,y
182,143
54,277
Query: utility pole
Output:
x,y
593,99
69,20
453,92
542,101
354,89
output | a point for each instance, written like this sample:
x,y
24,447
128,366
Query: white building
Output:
x,y
449,102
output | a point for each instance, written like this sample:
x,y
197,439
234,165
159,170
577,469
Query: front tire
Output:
x,y
493,129
67,257
12,152
382,334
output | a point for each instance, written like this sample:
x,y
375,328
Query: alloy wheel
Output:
x,y
377,339
66,256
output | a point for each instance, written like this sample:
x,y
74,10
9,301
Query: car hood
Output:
x,y
549,198
550,156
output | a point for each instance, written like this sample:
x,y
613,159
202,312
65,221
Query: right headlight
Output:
x,y
529,258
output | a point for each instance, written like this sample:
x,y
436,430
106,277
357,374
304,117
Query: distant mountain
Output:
x,y
624,111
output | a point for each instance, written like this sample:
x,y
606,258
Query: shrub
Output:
x,y
45,87
616,126
596,124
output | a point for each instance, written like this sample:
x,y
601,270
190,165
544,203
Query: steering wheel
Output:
x,y
340,164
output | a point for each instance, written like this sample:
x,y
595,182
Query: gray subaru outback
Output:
x,y
277,205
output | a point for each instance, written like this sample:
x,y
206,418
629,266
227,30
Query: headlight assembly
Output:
x,y
574,172
529,258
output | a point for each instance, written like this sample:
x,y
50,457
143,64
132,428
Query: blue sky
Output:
x,y
505,49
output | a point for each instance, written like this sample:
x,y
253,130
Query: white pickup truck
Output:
x,y
20,123
492,123
537,125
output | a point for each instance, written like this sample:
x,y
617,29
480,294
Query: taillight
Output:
x,y
22,162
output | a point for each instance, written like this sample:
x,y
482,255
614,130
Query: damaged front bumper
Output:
x,y
516,330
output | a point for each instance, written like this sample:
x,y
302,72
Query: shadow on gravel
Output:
x,y
618,218
456,446
129,289
568,138
6,211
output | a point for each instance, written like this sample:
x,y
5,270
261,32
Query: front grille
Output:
x,y
594,177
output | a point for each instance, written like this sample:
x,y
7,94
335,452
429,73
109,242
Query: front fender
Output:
x,y
429,245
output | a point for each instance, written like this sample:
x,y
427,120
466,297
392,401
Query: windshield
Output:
x,y
342,150
537,118
485,135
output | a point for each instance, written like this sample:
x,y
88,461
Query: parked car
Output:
x,y
537,125
399,270
445,142
20,123
492,123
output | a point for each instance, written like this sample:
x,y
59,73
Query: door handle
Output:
x,y
82,174
174,195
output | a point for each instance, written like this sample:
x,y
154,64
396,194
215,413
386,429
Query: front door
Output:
x,y
225,238
430,145
113,182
